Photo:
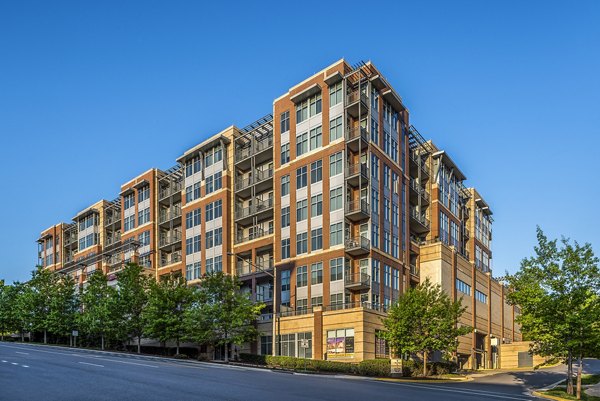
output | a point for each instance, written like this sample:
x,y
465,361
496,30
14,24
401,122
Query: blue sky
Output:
x,y
94,93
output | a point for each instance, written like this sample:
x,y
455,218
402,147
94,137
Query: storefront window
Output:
x,y
340,343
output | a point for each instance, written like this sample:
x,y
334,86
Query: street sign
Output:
x,y
303,343
75,333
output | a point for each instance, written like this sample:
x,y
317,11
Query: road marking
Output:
x,y
551,386
91,364
504,396
25,366
14,363
24,353
3,361
128,363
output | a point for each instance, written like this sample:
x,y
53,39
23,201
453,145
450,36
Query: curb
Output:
x,y
425,381
548,397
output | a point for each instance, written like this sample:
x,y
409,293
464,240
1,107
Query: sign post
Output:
x,y
75,333
304,344
396,367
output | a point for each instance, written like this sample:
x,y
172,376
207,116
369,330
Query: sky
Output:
x,y
94,93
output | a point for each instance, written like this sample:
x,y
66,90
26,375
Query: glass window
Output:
x,y
315,104
285,248
316,138
316,273
335,199
285,121
335,93
301,210
285,217
335,234
316,239
301,177
316,171
302,276
335,164
285,153
285,185
301,143
335,129
316,205
301,243
336,269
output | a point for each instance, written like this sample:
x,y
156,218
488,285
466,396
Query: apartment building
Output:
x,y
327,210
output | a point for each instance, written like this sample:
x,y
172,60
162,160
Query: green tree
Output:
x,y
424,320
21,313
557,290
97,317
7,305
43,287
163,316
132,298
63,307
221,314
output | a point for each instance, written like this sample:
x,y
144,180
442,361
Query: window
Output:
x,y
302,306
301,210
382,349
189,271
285,121
301,177
143,193
395,279
285,248
335,199
285,217
374,131
315,104
387,173
386,240
266,342
210,211
218,181
209,239
480,296
316,301
196,190
374,167
375,201
335,234
316,273
285,153
386,209
463,287
129,223
335,164
218,205
301,143
197,268
301,111
336,301
285,185
335,93
301,243
316,205
316,138
375,235
218,264
302,276
375,268
335,129
444,230
218,236
336,269
188,194
192,219
316,239
316,171
129,201
143,216
210,187
287,342
340,343
144,238
209,265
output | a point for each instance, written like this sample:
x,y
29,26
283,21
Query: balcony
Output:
x,y
263,179
110,220
262,147
357,104
169,259
414,271
243,215
418,163
357,138
173,189
357,246
243,184
421,224
168,239
357,210
416,191
357,281
258,232
167,215
356,174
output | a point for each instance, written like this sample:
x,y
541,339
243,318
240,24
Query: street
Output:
x,y
35,372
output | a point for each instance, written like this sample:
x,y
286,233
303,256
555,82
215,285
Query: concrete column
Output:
x,y
317,341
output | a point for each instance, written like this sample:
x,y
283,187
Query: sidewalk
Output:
x,y
594,390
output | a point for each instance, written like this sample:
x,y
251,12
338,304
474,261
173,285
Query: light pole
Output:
x,y
275,319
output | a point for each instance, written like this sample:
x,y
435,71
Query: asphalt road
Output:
x,y
35,372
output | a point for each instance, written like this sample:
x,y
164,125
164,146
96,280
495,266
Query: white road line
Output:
x,y
14,363
3,361
551,386
25,366
504,396
128,363
91,364
24,353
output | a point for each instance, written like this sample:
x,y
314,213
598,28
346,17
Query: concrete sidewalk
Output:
x,y
594,390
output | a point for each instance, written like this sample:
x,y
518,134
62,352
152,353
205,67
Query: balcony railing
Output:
x,y
264,143
361,206
354,96
419,189
166,260
354,133
418,217
168,239
414,270
358,168
357,244
243,153
167,215
172,189
262,175
357,280
259,206
415,157
258,233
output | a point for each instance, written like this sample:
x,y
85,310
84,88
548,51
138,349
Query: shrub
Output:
x,y
253,359
181,356
374,367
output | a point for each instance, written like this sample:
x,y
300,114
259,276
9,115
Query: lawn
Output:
x,y
561,392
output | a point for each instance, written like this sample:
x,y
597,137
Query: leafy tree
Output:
x,y
424,320
557,290
163,316
7,304
63,307
221,314
43,286
132,298
98,308
21,314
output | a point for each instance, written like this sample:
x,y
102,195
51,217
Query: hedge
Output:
x,y
371,367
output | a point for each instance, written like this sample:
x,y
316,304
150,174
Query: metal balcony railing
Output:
x,y
168,239
167,215
166,260
414,270
354,96
419,189
257,233
360,279
259,206
358,242
361,206
264,143
418,217
172,189
354,133
358,168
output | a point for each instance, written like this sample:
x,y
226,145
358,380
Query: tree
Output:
x,y
132,298
424,320
7,305
63,307
557,291
221,314
20,312
97,317
43,287
163,316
